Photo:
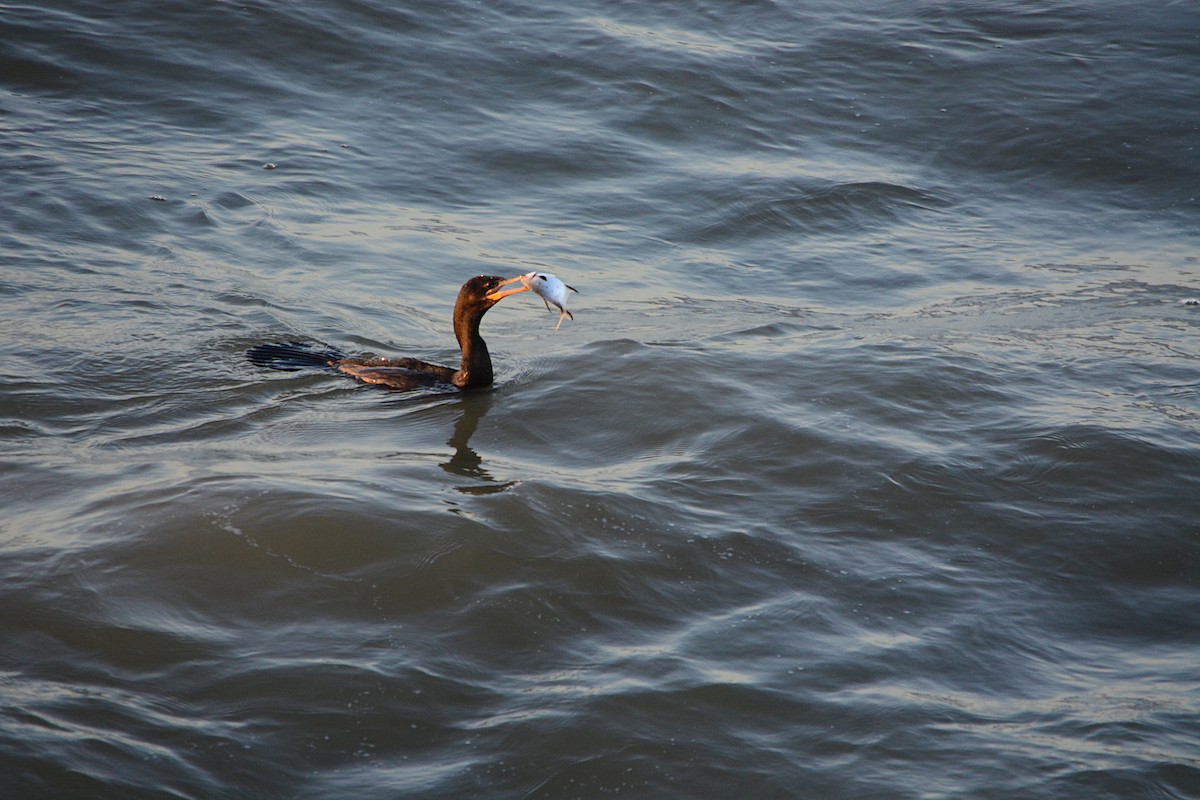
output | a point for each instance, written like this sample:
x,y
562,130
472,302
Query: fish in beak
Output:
x,y
551,290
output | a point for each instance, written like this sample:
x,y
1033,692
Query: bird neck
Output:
x,y
476,369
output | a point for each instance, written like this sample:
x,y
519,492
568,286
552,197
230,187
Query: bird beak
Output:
x,y
496,295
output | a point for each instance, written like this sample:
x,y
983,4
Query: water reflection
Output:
x,y
465,462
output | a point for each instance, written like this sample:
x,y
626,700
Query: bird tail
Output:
x,y
292,356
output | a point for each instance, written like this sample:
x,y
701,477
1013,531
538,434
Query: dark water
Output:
x,y
870,466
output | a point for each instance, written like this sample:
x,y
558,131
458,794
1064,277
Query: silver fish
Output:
x,y
551,290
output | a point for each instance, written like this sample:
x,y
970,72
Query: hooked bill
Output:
x,y
551,290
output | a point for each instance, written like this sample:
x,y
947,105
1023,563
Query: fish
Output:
x,y
551,290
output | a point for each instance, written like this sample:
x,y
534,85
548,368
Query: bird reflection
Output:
x,y
465,462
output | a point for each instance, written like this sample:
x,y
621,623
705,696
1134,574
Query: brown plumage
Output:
x,y
474,299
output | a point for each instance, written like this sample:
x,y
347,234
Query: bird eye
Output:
x,y
541,277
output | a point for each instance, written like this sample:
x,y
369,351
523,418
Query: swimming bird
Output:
x,y
474,299
551,290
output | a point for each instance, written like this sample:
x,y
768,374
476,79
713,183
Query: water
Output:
x,y
869,466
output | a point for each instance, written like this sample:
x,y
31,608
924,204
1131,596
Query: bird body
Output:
x,y
474,299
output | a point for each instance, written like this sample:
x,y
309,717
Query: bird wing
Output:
x,y
397,373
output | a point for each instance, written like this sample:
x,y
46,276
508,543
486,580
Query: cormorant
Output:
x,y
474,299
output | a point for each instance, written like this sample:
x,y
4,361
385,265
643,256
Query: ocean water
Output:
x,y
868,467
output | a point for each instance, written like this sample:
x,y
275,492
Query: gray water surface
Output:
x,y
869,466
